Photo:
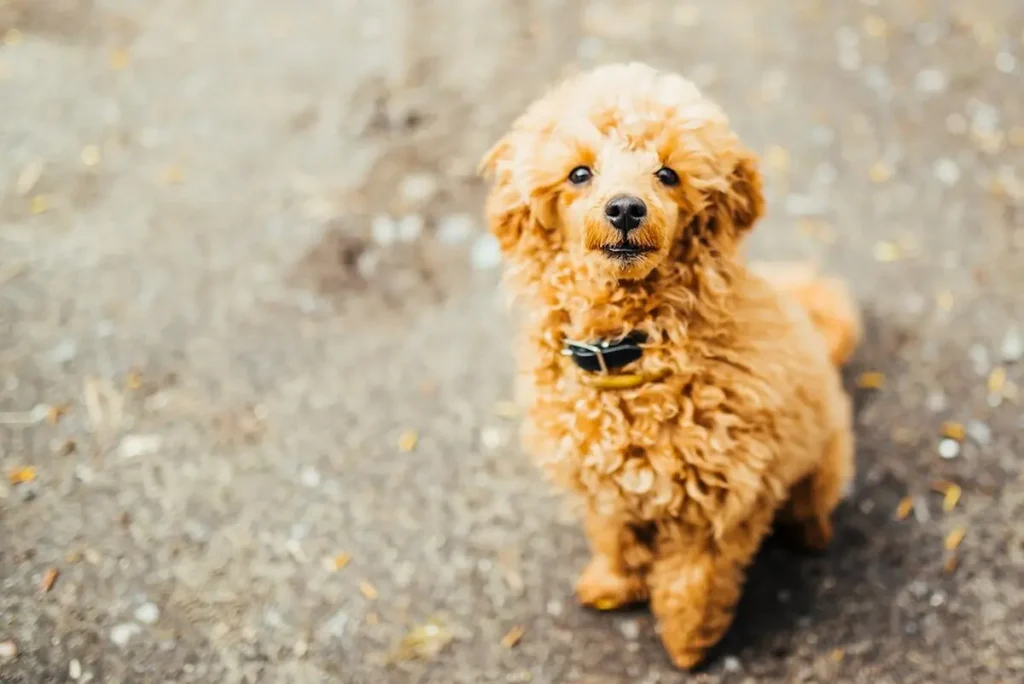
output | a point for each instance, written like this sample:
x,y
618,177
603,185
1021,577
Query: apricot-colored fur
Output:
x,y
682,477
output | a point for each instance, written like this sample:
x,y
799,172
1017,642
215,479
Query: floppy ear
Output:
x,y
506,209
742,202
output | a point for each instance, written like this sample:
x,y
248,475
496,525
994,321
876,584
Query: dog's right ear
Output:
x,y
507,208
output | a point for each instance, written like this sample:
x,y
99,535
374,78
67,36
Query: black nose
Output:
x,y
625,212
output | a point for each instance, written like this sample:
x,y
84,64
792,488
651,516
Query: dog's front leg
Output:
x,y
695,585
614,575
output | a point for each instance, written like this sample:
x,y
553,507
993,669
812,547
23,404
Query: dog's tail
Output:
x,y
827,301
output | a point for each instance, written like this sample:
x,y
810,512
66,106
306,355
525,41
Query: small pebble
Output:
x,y
8,650
1005,62
383,230
123,633
918,589
949,449
486,253
936,402
491,438
1011,349
937,599
946,170
64,351
978,356
310,477
133,446
418,188
454,229
630,629
74,669
930,81
979,432
410,227
733,664
147,613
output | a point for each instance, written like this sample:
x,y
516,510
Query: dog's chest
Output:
x,y
656,450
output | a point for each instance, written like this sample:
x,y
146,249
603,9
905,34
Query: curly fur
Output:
x,y
684,476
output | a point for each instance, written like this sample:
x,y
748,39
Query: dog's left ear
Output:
x,y
508,212
741,204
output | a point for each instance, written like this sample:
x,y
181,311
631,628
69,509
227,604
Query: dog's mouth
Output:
x,y
625,251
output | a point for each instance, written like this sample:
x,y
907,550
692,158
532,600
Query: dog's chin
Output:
x,y
628,261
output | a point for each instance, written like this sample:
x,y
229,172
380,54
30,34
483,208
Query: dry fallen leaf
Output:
x,y
407,442
57,412
119,59
871,380
879,172
91,155
133,381
951,498
172,175
422,642
48,579
21,475
904,508
955,537
39,204
368,590
887,252
953,431
340,561
513,637
951,563
997,380
28,178
838,654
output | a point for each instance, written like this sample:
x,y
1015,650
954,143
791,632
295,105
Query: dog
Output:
x,y
691,400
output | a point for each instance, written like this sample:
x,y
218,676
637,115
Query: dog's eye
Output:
x,y
580,175
667,176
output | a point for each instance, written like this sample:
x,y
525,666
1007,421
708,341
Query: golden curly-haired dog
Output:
x,y
687,396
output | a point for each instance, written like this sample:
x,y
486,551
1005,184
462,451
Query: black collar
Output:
x,y
601,356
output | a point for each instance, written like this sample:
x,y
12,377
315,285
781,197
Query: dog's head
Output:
x,y
624,167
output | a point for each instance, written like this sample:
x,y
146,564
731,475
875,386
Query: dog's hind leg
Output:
x,y
808,513
614,577
827,302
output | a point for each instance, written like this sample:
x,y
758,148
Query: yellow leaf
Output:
x,y
119,59
91,155
871,380
955,538
38,205
953,431
905,507
407,442
879,172
21,475
513,637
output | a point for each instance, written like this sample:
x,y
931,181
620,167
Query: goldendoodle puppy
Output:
x,y
687,397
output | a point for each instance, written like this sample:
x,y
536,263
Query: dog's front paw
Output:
x,y
601,587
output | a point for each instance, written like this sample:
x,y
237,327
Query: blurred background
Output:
x,y
254,378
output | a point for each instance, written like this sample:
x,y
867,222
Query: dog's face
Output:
x,y
625,168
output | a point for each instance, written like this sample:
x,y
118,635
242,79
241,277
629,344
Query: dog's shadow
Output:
x,y
790,594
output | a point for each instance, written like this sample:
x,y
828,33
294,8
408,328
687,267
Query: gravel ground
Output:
x,y
252,366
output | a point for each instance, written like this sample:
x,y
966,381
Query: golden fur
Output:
x,y
683,476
